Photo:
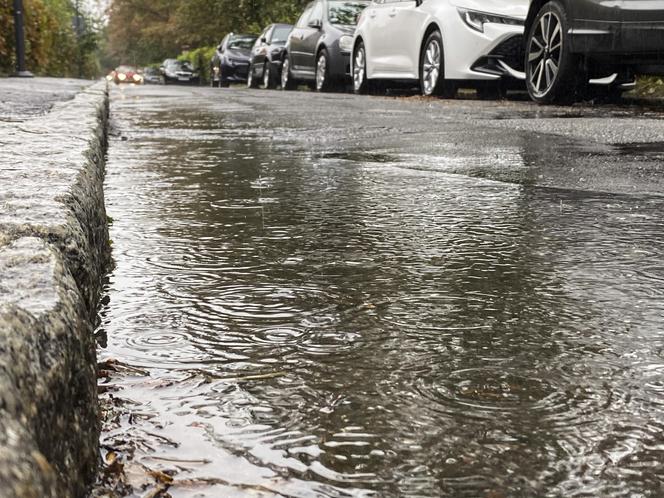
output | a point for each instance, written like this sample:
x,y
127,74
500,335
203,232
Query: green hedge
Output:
x,y
200,59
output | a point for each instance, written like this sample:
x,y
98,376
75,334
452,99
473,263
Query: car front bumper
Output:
x,y
490,55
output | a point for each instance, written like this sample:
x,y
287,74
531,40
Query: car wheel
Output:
x,y
251,80
287,80
323,80
361,84
267,76
432,68
552,71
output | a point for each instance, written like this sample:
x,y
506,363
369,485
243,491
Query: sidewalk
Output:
x,y
53,253
24,98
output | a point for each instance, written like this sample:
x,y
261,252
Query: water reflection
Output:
x,y
313,324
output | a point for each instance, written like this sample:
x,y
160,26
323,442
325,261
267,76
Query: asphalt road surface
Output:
x,y
334,295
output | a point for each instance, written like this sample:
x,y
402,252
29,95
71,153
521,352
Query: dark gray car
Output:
x,y
319,47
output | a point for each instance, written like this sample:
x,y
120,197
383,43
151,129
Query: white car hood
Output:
x,y
510,8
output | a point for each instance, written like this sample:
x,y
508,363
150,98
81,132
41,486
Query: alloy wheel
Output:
x,y
431,66
545,53
267,75
284,74
321,69
358,69
250,77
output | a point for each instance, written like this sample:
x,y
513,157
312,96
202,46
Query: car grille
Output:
x,y
512,52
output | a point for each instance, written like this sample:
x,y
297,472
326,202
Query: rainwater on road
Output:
x,y
333,296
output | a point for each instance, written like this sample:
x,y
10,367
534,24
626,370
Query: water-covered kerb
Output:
x,y
53,253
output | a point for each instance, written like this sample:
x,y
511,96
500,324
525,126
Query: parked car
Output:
x,y
442,44
569,42
319,47
152,76
125,74
267,56
179,72
230,62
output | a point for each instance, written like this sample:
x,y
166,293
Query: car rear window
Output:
x,y
345,13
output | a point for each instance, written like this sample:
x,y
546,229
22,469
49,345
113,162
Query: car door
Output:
x,y
400,22
642,25
407,22
377,37
296,38
311,35
261,46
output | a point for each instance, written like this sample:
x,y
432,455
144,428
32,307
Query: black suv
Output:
x,y
318,49
569,42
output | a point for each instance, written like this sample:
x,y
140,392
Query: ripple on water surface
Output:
x,y
341,324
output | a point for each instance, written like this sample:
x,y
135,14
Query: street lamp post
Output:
x,y
21,71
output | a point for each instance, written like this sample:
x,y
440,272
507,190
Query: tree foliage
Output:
x,y
144,31
53,47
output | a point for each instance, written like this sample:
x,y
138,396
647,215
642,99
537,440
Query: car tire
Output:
x,y
268,80
251,80
323,80
287,80
432,68
552,70
361,85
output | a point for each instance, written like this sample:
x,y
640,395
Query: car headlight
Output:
x,y
346,43
122,76
476,20
137,77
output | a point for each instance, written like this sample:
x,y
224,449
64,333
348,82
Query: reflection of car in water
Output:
x,y
125,74
569,42
267,56
319,47
230,62
441,44
175,71
151,76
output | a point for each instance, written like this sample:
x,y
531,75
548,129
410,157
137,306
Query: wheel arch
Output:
x,y
536,6
432,27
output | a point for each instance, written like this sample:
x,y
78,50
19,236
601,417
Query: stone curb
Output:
x,y
54,251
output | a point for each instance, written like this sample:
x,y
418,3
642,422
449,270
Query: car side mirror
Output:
x,y
316,24
162,69
264,41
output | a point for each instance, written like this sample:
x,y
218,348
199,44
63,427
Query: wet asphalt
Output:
x,y
333,295
603,148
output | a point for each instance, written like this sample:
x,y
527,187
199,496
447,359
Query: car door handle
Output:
x,y
372,14
393,13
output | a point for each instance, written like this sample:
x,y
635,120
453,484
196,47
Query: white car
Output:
x,y
442,43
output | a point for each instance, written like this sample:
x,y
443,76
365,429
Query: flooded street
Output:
x,y
333,296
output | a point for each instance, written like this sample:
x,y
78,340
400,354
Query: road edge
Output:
x,y
54,252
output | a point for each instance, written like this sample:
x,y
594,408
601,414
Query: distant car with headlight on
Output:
x,y
319,47
125,74
442,45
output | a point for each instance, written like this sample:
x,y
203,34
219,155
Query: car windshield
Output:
x,y
150,71
345,13
179,66
126,69
243,43
281,34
